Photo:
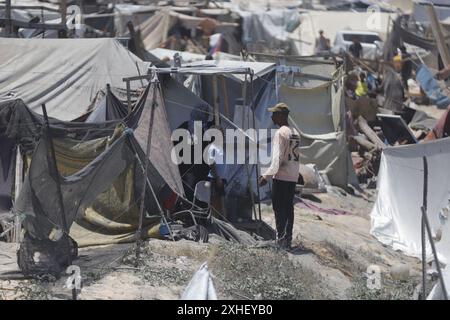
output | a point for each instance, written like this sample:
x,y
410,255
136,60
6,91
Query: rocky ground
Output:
x,y
330,261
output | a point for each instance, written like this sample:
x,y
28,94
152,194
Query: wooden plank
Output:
x,y
373,137
8,26
438,34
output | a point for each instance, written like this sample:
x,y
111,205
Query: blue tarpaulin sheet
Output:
x,y
431,87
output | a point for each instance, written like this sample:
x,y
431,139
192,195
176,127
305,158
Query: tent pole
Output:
x,y
56,176
257,150
128,95
8,23
17,187
433,248
147,154
225,96
215,101
152,190
438,34
426,224
145,167
63,9
424,206
244,99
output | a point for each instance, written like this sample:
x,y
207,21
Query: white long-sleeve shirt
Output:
x,y
285,163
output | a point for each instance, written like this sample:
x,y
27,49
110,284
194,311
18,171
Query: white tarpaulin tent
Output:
x,y
396,215
65,74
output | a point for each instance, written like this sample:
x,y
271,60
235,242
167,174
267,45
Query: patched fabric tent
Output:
x,y
269,29
65,74
155,30
316,98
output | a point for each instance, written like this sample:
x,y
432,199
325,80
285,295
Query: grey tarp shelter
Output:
x,y
313,89
65,74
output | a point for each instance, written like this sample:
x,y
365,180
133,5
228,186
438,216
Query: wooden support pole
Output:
x,y
17,187
438,34
223,87
215,101
63,10
8,23
129,96
146,166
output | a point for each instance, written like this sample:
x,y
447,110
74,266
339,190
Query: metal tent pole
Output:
x,y
424,207
257,150
244,98
426,225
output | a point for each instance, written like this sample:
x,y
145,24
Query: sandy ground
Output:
x,y
331,256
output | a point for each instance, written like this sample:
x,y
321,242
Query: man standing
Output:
x,y
284,169
394,92
356,48
322,44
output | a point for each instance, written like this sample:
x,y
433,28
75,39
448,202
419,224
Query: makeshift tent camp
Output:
x,y
396,216
100,170
255,5
65,74
315,96
269,29
155,30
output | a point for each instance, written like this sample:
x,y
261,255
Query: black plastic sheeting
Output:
x,y
38,202
109,108
23,127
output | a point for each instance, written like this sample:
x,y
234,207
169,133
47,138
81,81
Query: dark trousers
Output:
x,y
283,205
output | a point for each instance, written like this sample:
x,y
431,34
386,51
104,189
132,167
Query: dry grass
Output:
x,y
261,273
